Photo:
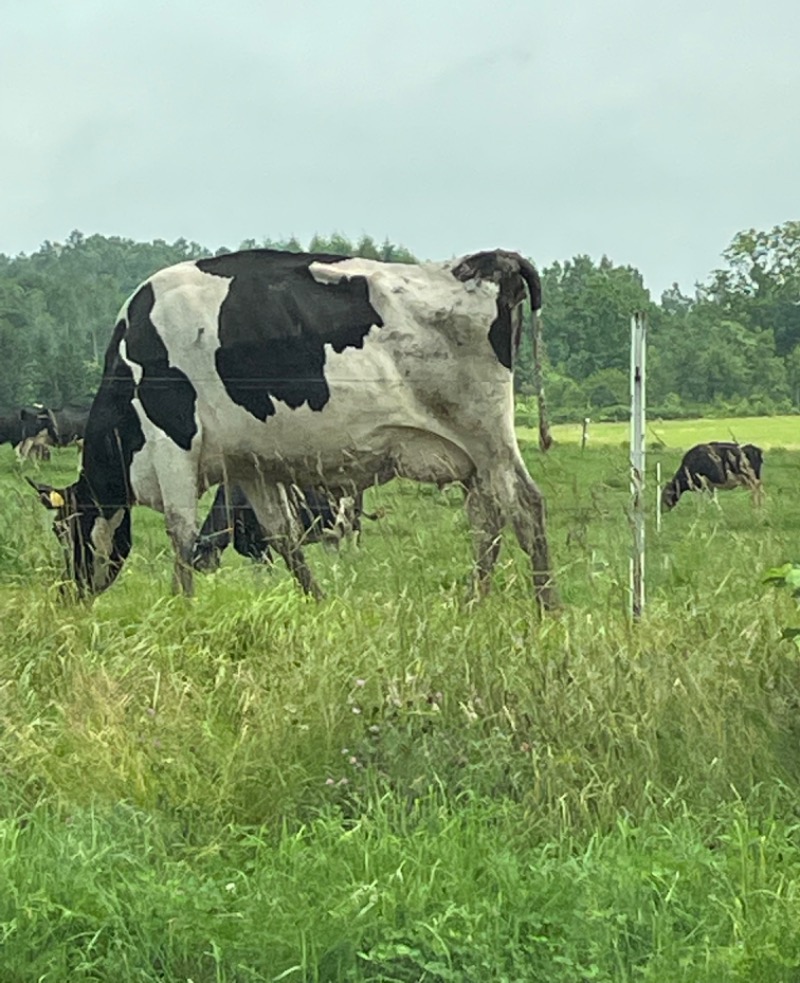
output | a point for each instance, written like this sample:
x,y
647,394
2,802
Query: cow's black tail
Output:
x,y
530,275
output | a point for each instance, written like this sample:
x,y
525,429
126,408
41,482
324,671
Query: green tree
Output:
x,y
760,287
587,309
607,387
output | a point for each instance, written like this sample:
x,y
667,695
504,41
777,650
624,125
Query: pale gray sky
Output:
x,y
648,132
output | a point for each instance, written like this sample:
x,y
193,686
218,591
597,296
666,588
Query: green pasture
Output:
x,y
396,784
765,431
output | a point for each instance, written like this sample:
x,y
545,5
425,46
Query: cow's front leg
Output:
x,y
182,531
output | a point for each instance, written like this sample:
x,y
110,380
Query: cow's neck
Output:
x,y
113,435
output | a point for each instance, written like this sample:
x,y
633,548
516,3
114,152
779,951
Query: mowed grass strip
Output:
x,y
395,783
764,431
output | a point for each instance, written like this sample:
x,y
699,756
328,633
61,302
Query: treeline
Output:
x,y
731,347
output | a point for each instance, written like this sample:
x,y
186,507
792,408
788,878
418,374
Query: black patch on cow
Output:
x,y
275,322
113,435
500,337
512,273
165,392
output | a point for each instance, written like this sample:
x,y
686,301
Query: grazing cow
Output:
x,y
232,514
273,369
22,424
715,465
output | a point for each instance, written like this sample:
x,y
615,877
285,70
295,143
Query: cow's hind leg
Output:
x,y
529,521
486,524
510,496
274,511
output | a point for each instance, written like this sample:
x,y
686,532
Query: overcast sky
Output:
x,y
648,132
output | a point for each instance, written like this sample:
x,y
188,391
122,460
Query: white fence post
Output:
x,y
638,338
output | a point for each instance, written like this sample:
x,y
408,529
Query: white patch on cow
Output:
x,y
187,297
157,467
103,533
135,368
103,543
184,296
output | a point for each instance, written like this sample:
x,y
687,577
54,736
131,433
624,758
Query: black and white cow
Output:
x,y
23,423
324,517
707,467
270,369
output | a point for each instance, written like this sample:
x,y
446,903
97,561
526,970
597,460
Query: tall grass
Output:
x,y
441,890
396,784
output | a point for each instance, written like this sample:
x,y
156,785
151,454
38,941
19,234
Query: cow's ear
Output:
x,y
50,497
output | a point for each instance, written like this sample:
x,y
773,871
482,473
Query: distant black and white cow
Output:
x,y
326,518
716,465
22,423
272,369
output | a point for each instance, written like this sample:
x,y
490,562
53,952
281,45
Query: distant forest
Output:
x,y
731,348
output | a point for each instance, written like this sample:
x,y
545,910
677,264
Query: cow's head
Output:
x,y
34,419
755,459
670,494
96,541
208,547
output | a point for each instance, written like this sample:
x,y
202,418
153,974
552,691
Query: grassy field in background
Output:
x,y
765,431
394,784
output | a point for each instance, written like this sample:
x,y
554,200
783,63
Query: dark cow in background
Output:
x,y
69,423
34,429
27,427
324,518
271,369
10,427
716,465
